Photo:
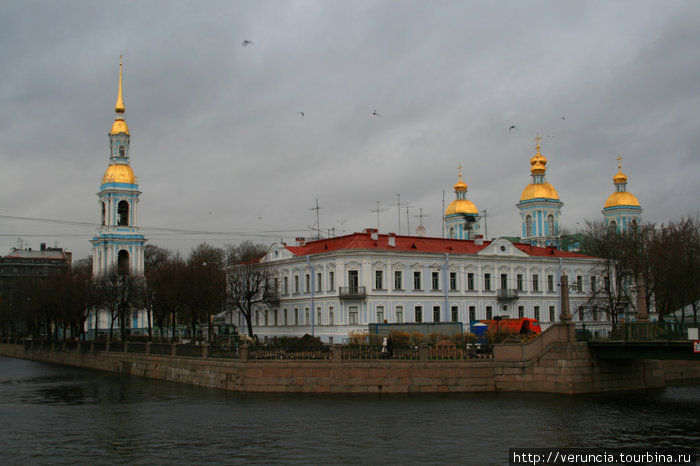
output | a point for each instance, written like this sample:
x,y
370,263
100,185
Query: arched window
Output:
x,y
613,225
123,213
123,262
550,225
121,151
103,213
452,232
528,226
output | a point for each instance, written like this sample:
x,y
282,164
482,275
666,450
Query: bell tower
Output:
x,y
118,242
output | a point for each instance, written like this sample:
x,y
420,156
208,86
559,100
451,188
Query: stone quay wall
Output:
x,y
553,363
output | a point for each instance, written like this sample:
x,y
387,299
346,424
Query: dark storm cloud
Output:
x,y
218,143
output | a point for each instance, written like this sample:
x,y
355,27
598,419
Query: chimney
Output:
x,y
392,240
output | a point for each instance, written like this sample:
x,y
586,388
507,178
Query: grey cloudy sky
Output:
x,y
218,144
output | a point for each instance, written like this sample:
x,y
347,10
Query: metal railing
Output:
x,y
634,331
281,352
352,292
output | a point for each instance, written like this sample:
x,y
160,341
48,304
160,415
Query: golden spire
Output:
x,y
119,107
119,125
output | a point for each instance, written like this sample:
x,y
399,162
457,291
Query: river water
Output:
x,y
53,414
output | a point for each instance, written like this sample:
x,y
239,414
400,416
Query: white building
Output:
x,y
331,287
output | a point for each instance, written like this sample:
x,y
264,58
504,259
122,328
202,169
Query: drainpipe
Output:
x,y
447,293
312,280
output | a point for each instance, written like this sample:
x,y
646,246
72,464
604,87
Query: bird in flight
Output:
x,y
246,43
563,118
375,113
302,114
512,127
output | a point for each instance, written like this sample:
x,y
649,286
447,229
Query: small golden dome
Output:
x,y
620,178
461,206
119,126
119,173
538,164
460,185
621,198
539,191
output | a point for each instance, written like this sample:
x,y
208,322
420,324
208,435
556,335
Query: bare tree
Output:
x,y
247,279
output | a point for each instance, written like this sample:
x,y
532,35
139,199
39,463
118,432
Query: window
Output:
x,y
319,316
318,282
418,314
504,281
581,311
593,284
435,281
352,315
307,318
487,282
537,313
274,317
416,281
550,225
103,213
285,284
398,280
257,318
123,213
123,262
380,314
552,314
436,313
519,281
353,281
331,281
378,279
265,315
528,226
296,284
453,281
472,313
521,311
489,313
535,282
330,316
306,283
470,281
550,282
594,313
296,316
399,314
286,317
455,314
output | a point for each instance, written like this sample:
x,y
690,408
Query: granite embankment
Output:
x,y
553,363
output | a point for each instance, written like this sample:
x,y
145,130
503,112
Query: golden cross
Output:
x,y
619,161
538,141
459,167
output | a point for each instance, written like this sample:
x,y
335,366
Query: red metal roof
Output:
x,y
414,244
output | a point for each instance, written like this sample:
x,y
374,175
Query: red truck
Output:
x,y
513,326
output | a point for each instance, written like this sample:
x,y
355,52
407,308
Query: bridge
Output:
x,y
637,340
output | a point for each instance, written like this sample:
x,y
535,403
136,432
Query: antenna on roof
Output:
x,y
318,222
377,210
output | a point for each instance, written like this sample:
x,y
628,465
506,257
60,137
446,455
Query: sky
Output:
x,y
356,106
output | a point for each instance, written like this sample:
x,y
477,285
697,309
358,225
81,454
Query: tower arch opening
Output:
x,y
123,262
123,213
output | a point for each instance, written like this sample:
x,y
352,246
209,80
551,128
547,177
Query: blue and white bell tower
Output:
x,y
118,243
540,207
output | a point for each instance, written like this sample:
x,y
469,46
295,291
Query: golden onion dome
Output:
x,y
621,198
538,164
119,173
461,206
539,191
620,178
119,126
460,185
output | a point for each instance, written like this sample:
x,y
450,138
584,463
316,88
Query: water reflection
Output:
x,y
61,415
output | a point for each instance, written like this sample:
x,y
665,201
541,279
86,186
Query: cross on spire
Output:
x,y
538,141
619,162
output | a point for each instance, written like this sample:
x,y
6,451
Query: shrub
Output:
x,y
417,339
357,338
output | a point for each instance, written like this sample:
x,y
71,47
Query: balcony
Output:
x,y
271,296
352,292
505,294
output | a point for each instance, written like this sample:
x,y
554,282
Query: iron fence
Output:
x,y
161,348
634,331
224,352
281,352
